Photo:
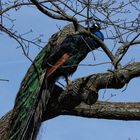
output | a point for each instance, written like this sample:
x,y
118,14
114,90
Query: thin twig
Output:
x,y
101,43
126,48
5,80
1,21
64,17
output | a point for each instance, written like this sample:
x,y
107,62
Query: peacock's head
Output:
x,y
95,27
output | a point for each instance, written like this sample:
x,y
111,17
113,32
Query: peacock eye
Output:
x,y
96,25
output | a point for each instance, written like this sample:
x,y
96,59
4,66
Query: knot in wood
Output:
x,y
89,96
122,76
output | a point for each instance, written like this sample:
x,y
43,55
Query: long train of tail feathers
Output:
x,y
26,117
33,121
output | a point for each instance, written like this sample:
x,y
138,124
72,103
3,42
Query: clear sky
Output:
x,y
13,66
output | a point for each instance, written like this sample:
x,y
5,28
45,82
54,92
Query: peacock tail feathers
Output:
x,y
27,97
31,98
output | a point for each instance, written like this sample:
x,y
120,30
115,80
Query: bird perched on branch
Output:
x,y
59,58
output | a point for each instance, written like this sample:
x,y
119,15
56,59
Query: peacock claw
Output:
x,y
68,81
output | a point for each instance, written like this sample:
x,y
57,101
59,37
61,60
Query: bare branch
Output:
x,y
125,45
102,110
5,80
106,110
101,43
19,4
54,16
24,43
126,48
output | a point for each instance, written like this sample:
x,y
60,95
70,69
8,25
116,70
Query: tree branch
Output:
x,y
126,49
125,45
64,17
70,101
101,43
106,110
102,110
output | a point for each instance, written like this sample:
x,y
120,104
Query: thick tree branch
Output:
x,y
102,110
106,110
68,102
85,89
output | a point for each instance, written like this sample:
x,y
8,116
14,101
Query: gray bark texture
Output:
x,y
79,98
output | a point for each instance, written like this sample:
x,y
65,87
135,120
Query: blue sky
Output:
x,y
13,66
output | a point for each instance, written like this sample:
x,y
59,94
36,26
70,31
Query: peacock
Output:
x,y
59,58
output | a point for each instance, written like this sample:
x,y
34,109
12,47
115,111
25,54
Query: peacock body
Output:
x,y
60,57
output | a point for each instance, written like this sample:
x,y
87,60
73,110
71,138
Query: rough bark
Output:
x,y
100,110
70,100
107,110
